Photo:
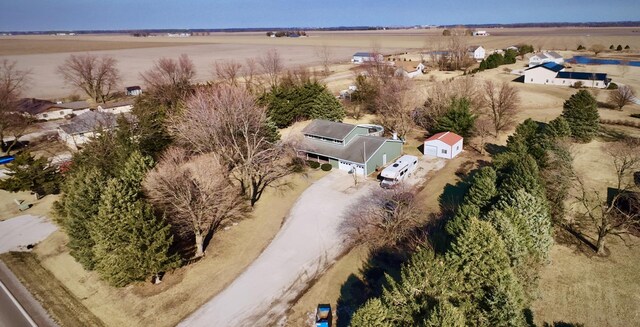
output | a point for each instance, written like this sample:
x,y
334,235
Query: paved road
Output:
x,y
307,242
11,312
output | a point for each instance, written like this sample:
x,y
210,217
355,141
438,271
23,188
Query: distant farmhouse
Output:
x,y
480,33
116,107
409,69
133,90
351,148
476,52
47,110
555,74
361,57
544,57
82,128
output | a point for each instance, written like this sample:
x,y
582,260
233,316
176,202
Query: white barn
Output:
x,y
361,57
544,57
476,52
551,73
443,145
409,69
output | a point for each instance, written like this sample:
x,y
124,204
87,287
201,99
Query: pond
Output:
x,y
595,61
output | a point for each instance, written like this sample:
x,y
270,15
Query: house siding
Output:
x,y
359,130
393,150
334,163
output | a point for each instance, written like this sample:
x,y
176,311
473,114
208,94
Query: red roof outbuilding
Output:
x,y
449,138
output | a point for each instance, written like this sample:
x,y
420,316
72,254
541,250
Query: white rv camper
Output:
x,y
398,171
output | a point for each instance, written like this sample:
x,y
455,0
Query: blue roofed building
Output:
x,y
555,74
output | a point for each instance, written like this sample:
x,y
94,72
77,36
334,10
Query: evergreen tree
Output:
x,y
445,314
372,314
581,113
558,127
522,173
460,219
26,173
483,267
619,48
457,119
131,243
511,228
77,209
534,213
483,188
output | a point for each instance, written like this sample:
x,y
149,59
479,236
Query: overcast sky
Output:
x,y
33,15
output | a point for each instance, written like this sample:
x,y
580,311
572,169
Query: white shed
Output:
x,y
443,145
361,57
476,52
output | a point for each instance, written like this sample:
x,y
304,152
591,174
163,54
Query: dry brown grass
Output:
x,y
62,305
8,208
185,289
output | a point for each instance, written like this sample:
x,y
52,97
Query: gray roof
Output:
x,y
363,54
76,105
328,129
354,151
554,54
127,102
33,106
89,122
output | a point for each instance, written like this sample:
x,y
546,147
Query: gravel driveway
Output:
x,y
308,241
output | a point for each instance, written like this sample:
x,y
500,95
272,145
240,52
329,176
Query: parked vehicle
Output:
x,y
6,159
398,171
323,316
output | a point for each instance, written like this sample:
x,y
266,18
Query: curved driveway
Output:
x,y
307,242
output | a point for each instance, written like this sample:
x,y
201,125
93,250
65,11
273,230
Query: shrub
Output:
x,y
313,164
326,167
297,165
581,47
612,86
577,85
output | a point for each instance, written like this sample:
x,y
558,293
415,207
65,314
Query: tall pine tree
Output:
x,y
480,258
483,188
131,243
76,210
581,113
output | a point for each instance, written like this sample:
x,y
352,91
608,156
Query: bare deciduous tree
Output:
x,y
12,81
382,218
250,73
608,216
169,81
195,194
623,67
440,96
396,102
325,54
226,120
458,50
272,66
622,96
227,71
597,48
502,102
482,130
96,76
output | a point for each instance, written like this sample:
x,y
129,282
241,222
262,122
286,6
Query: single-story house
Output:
x,y
513,47
480,33
544,57
443,145
409,69
116,107
555,74
133,90
476,52
347,147
32,106
361,57
82,128
61,110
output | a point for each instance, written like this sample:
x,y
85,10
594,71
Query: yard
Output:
x,y
183,290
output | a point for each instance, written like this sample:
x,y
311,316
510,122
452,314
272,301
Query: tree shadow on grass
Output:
x,y
494,149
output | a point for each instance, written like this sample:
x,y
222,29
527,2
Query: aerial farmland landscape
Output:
x,y
329,164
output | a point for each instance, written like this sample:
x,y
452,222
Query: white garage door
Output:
x,y
347,166
430,150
